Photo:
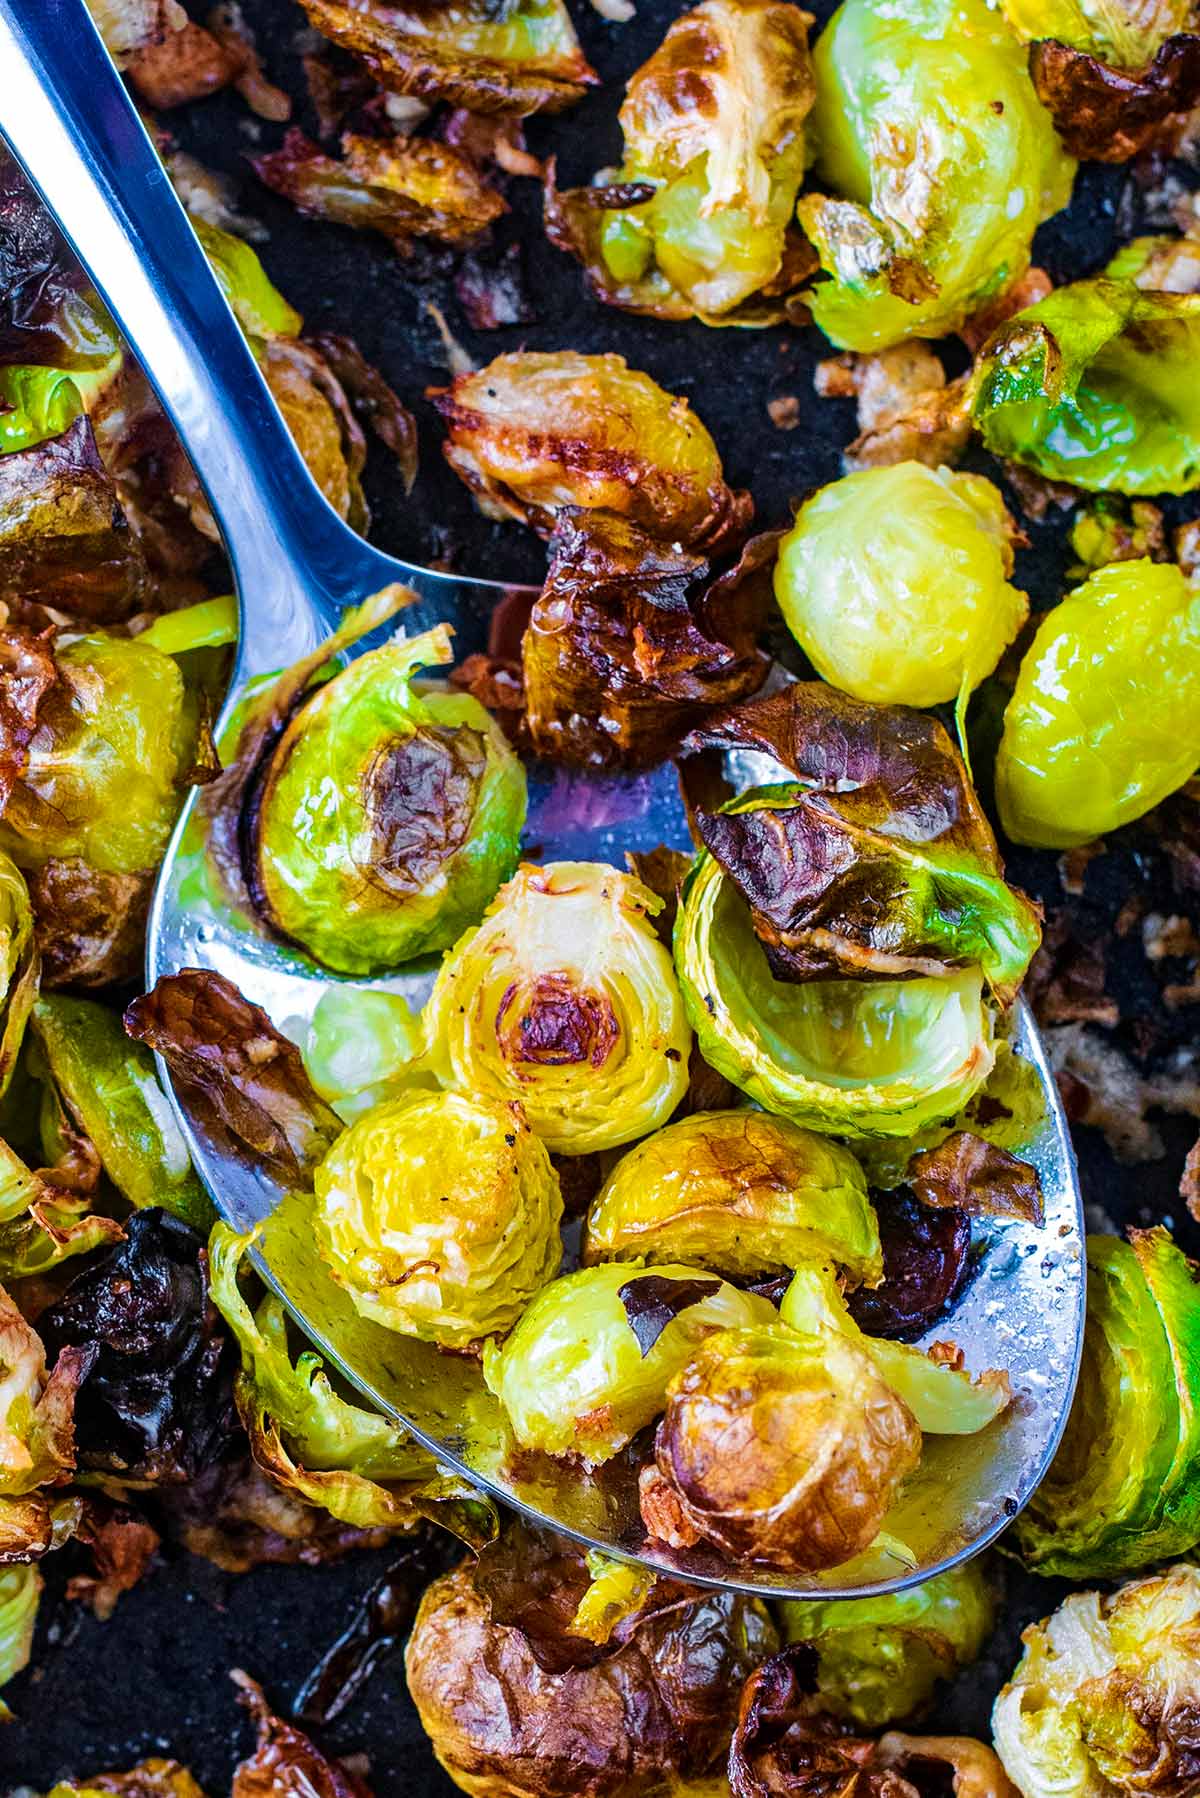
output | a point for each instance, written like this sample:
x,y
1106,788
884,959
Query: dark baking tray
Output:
x,y
154,1678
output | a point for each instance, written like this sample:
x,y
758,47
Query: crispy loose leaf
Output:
x,y
89,925
652,1300
1106,114
285,1762
925,1262
156,1401
237,1517
242,1081
630,641
378,407
122,1546
524,60
972,1175
883,865
19,961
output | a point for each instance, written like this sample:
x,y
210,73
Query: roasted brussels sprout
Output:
x,y
930,134
700,214
741,1192
20,1592
512,1711
37,403
37,1409
589,1363
1124,1488
359,1045
1104,1698
522,60
895,583
18,966
387,815
536,431
439,1215
780,1447
1093,385
880,1658
563,1000
1104,721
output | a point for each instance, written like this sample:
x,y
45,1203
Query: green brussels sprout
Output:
x,y
255,301
741,1192
18,966
895,583
1124,1487
564,1001
1126,34
37,1409
1103,1701
781,1447
109,1088
387,815
942,1397
929,130
439,1215
853,1057
42,1223
1110,686
359,1047
114,737
20,1591
880,1658
1093,385
35,404
575,1377
715,152
618,1590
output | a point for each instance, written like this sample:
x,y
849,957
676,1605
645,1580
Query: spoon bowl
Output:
x,y
296,565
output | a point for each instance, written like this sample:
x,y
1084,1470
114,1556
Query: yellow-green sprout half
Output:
x,y
1104,721
439,1214
879,1659
938,161
852,1057
388,814
1103,1702
896,583
18,965
741,1192
20,1591
1126,34
589,1363
564,1001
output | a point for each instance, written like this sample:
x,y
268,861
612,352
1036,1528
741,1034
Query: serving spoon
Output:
x,y
68,120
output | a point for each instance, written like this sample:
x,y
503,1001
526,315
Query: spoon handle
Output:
x,y
73,128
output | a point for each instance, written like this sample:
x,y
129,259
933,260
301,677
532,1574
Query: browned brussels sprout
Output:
x,y
536,431
697,221
516,1706
779,1447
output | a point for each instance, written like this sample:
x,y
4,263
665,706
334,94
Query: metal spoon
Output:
x,y
67,118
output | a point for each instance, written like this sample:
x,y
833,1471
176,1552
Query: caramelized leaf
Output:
x,y
924,1265
1108,115
969,1174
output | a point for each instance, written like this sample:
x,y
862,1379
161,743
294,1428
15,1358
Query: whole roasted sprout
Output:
x,y
526,59
439,1215
1093,385
780,1447
653,1708
700,214
1104,1698
589,1363
940,162
1124,1488
879,1659
1104,720
896,583
536,431
740,1192
387,815
564,1002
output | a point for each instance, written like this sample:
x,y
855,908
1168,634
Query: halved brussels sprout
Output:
x,y
439,1215
930,133
1104,720
537,430
941,1395
1124,1488
387,815
699,220
781,1447
1093,385
879,1659
854,1057
895,583
564,1001
1103,1700
589,1363
741,1192
113,740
